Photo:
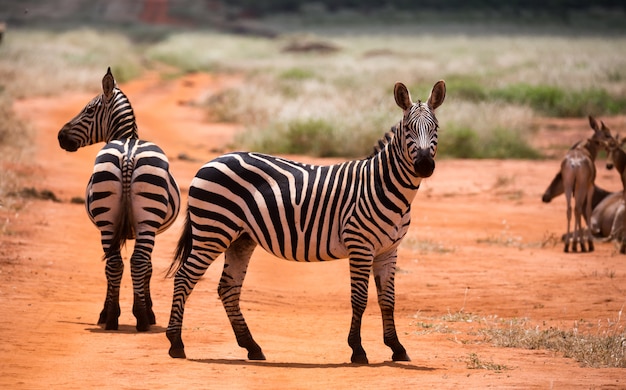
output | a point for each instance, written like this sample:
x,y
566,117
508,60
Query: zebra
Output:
x,y
357,209
130,195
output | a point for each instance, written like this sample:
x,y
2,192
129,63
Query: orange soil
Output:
x,y
474,247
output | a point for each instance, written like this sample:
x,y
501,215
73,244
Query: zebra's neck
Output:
x,y
121,123
395,173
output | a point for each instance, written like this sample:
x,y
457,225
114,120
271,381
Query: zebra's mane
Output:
x,y
386,139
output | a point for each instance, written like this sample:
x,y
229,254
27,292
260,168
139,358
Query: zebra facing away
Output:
x,y
130,195
357,209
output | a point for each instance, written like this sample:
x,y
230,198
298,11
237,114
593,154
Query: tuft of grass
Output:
x,y
33,193
424,245
474,362
605,348
297,74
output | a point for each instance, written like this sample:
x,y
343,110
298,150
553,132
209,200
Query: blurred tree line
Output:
x,y
161,11
512,6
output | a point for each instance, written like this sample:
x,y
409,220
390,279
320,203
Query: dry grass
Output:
x,y
351,89
599,345
605,346
15,149
36,63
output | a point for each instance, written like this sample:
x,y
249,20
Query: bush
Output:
x,y
500,143
555,101
312,137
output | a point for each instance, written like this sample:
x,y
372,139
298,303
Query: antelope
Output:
x,y
578,173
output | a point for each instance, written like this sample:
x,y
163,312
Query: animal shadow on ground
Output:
x,y
125,329
243,362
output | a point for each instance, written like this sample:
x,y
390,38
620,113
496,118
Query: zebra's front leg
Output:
x,y
384,276
359,280
141,272
236,260
111,312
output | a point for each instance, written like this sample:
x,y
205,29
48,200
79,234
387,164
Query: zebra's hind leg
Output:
x,y
384,276
141,272
236,260
111,311
190,271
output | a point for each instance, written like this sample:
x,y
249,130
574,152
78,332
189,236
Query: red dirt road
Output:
x,y
475,246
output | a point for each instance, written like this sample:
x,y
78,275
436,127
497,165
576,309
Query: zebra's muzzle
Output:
x,y
424,164
66,142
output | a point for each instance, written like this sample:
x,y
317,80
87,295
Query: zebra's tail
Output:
x,y
183,249
122,229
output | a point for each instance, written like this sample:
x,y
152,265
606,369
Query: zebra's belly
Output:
x,y
302,248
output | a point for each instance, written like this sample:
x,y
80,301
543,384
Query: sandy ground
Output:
x,y
481,243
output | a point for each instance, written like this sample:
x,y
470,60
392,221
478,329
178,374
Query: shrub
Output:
x,y
464,142
555,101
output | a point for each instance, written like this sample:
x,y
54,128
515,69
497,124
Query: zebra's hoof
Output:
x,y
111,324
178,353
256,355
400,357
359,359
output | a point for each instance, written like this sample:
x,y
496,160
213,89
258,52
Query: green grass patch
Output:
x,y
308,136
559,102
497,143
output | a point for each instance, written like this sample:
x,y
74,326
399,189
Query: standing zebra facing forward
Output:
x,y
131,195
357,209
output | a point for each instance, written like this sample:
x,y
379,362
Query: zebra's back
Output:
x,y
296,211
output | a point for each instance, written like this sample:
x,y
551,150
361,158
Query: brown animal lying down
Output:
x,y
608,209
607,218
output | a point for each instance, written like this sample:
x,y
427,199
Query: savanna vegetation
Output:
x,y
332,95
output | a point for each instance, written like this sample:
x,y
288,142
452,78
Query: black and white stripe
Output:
x,y
131,195
357,209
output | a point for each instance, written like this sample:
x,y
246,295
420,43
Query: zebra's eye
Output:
x,y
89,110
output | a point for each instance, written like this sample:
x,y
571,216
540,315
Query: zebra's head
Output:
x,y
418,128
106,117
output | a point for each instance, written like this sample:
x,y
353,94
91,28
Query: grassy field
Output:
x,y
337,100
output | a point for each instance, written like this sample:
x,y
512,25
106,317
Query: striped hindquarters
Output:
x,y
131,192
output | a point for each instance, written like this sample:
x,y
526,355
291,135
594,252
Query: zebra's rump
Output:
x,y
131,189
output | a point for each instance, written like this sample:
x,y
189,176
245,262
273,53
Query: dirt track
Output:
x,y
475,246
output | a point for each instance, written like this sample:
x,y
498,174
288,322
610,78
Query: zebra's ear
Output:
x,y
108,83
402,96
437,95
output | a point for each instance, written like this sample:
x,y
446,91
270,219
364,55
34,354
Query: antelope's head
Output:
x,y
602,138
